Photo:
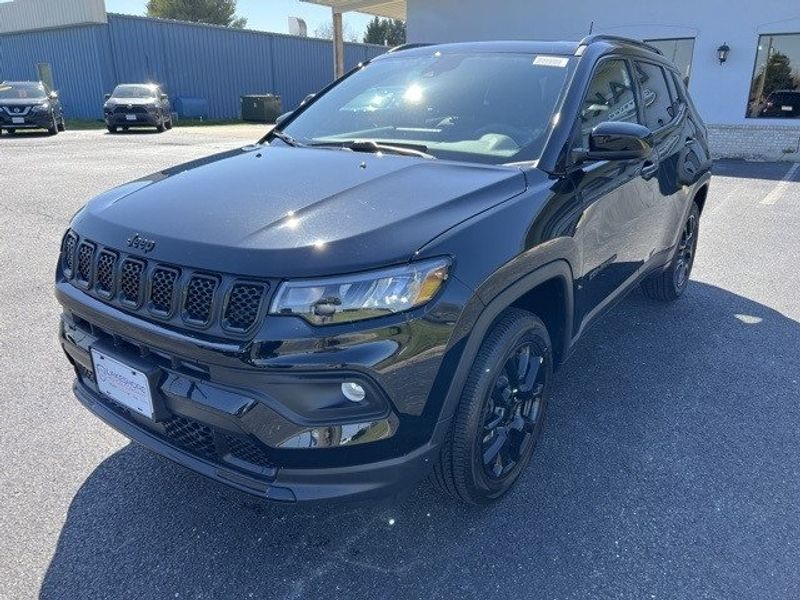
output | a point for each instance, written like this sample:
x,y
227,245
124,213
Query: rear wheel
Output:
x,y
168,124
670,283
160,126
501,413
111,129
62,126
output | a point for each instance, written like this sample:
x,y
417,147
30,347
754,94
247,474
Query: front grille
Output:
x,y
104,277
137,110
192,436
85,259
243,306
162,291
245,450
130,285
199,299
221,304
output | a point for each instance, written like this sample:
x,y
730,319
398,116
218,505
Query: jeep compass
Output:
x,y
380,289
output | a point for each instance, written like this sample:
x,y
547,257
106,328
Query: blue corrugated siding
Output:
x,y
189,60
74,56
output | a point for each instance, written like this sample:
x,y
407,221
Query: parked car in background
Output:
x,y
29,105
782,104
382,287
137,105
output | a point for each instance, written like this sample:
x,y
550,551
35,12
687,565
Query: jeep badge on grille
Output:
x,y
142,243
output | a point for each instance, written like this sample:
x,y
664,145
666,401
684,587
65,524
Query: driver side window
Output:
x,y
610,97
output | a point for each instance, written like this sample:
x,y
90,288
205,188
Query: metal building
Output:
x,y
89,52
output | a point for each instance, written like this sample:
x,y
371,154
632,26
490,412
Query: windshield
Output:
x,y
19,91
134,91
484,107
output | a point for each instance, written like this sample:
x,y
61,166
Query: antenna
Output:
x,y
591,27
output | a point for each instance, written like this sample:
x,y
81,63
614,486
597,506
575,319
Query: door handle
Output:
x,y
689,141
649,168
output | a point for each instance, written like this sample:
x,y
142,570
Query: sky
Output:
x,y
268,15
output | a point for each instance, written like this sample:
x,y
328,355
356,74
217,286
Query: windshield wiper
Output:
x,y
374,146
284,137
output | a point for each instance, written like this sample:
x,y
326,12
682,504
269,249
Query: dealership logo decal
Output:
x,y
142,243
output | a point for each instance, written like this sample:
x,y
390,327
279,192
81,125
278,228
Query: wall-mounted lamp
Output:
x,y
722,53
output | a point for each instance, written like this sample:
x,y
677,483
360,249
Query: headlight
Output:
x,y
41,107
355,297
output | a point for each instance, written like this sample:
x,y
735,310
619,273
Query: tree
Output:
x,y
385,32
213,12
778,75
324,31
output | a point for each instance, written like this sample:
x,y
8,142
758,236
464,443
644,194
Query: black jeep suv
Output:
x,y
137,105
29,105
382,287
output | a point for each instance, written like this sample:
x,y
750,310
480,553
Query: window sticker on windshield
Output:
x,y
551,61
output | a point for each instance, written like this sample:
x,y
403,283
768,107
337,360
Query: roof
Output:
x,y
526,47
393,9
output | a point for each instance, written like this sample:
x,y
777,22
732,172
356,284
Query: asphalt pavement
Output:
x,y
670,465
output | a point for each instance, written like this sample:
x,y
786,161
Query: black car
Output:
x,y
381,290
137,105
29,105
782,104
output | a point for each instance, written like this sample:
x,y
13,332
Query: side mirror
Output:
x,y
282,118
617,140
107,96
164,97
53,95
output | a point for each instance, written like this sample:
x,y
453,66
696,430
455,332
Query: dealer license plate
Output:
x,y
17,120
123,384
130,117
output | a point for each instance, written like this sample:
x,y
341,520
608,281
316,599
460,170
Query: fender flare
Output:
x,y
557,269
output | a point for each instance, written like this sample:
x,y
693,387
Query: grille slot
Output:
x,y
192,436
83,271
247,451
68,254
199,299
130,284
244,304
104,274
162,291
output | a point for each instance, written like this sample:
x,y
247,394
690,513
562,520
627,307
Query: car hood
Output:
x,y
295,212
131,101
22,101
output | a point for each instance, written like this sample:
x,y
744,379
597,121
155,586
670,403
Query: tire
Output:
x,y
490,443
168,124
160,126
11,131
111,129
53,129
62,126
671,283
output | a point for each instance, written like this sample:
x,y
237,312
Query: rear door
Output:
x,y
666,116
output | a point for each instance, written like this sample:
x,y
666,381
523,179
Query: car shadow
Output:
x,y
667,470
773,171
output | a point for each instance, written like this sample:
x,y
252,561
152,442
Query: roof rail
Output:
x,y
406,47
602,37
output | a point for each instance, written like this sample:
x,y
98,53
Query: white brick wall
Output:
x,y
755,142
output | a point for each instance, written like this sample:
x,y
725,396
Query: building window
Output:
x,y
775,88
679,51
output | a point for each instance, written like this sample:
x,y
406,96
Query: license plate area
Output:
x,y
124,383
130,117
18,120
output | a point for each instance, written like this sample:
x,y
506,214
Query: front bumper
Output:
x,y
219,412
148,119
30,121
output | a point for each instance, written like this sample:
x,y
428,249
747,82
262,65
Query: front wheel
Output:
x,y
670,283
53,129
501,413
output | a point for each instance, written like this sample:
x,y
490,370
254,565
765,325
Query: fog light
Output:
x,y
353,391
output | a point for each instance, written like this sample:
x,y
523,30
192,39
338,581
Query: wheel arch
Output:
x,y
534,293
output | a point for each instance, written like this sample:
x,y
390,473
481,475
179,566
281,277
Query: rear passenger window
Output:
x,y
658,107
610,97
